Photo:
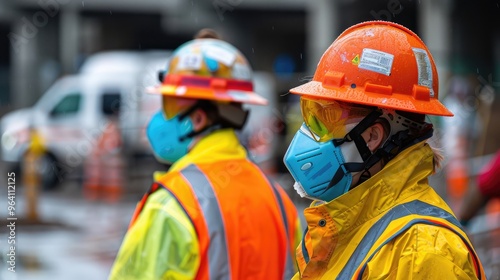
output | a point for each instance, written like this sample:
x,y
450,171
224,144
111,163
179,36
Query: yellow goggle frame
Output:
x,y
172,106
330,119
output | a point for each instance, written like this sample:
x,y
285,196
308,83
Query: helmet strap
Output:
x,y
226,115
209,128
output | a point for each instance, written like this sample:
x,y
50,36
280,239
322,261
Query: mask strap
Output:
x,y
349,167
355,134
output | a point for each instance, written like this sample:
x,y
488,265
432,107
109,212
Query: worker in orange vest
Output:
x,y
214,214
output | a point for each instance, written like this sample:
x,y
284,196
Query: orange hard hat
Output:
x,y
209,69
380,64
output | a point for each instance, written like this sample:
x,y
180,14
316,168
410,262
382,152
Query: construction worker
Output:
x,y
214,214
362,155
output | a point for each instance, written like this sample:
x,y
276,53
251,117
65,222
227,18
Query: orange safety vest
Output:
x,y
244,223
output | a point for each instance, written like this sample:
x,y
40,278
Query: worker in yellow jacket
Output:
x,y
214,214
362,156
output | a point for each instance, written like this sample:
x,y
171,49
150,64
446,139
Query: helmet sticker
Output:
x,y
376,61
355,60
190,61
223,56
241,71
424,69
180,90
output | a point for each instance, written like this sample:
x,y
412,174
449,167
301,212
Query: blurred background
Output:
x,y
73,107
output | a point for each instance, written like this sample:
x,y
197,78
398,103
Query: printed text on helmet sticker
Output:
x,y
376,61
424,69
190,61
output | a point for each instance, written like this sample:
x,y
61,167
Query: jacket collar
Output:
x,y
399,179
219,145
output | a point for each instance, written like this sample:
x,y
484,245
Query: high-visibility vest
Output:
x,y
245,225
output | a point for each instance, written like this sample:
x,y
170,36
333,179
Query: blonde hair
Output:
x,y
438,153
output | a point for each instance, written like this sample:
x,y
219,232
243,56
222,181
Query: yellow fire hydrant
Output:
x,y
31,176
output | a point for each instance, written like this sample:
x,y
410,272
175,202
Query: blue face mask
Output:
x,y
168,138
314,164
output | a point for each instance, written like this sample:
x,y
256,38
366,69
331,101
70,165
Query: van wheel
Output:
x,y
50,172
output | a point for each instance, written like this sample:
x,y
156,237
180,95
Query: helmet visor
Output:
x,y
330,119
172,106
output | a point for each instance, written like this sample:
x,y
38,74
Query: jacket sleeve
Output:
x,y
423,252
162,243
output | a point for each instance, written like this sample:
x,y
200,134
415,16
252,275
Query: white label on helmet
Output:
x,y
190,61
376,61
223,56
241,72
424,69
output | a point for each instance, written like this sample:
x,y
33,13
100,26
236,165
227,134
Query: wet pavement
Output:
x,y
73,239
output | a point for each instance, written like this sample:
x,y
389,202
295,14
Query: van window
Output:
x,y
69,105
111,102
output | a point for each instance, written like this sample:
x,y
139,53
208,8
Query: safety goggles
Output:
x,y
329,119
172,106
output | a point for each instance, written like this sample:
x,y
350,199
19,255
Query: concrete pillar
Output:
x,y
496,58
434,23
322,28
24,62
69,38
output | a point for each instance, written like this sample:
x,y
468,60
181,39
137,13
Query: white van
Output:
x,y
73,112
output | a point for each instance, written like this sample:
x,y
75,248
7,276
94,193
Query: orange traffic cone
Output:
x,y
112,182
457,176
92,173
104,166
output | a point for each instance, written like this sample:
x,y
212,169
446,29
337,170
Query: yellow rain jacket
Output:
x,y
177,231
392,226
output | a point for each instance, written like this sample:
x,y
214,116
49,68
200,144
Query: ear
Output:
x,y
199,119
374,136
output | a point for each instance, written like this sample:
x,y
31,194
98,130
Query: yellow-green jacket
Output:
x,y
213,215
392,226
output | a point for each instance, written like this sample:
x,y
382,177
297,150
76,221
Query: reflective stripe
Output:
x,y
218,254
289,271
305,254
428,222
415,207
